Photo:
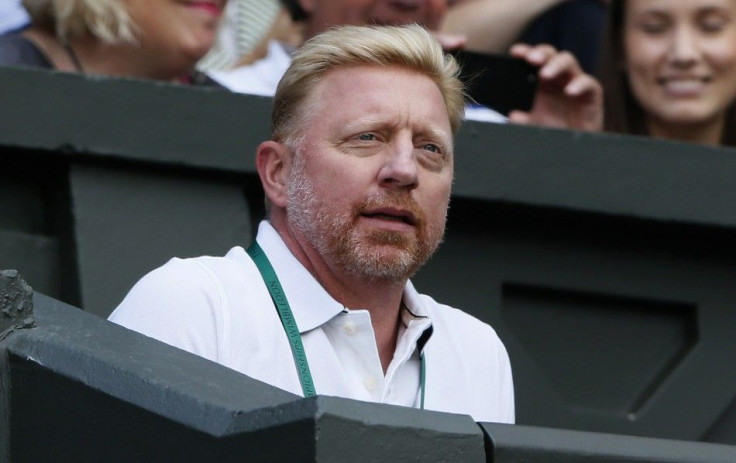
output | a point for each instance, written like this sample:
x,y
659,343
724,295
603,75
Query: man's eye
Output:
x,y
431,147
366,137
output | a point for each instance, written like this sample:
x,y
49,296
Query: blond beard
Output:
x,y
376,255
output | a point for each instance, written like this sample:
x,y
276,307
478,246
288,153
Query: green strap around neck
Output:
x,y
292,331
287,317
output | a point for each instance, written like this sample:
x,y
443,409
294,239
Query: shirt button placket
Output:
x,y
370,383
349,327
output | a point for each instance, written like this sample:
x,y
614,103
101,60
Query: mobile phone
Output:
x,y
499,82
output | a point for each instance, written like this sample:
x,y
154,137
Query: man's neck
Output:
x,y
381,298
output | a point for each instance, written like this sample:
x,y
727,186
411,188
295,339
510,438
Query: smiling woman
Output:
x,y
151,39
669,69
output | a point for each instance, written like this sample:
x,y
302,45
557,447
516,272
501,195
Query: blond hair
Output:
x,y
108,20
410,47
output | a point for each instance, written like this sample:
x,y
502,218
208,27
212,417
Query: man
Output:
x,y
357,178
261,77
567,97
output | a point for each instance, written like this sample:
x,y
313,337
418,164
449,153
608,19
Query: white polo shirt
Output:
x,y
219,308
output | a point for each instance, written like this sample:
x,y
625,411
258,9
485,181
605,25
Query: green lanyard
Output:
x,y
290,328
287,317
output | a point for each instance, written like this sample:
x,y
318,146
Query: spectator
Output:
x,y
567,97
357,173
151,39
669,69
262,76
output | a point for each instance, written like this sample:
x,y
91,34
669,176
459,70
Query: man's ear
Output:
x,y
273,160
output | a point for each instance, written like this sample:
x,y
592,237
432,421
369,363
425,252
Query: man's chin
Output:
x,y
387,259
386,270
390,238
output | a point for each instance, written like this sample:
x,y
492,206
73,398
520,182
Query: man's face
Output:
x,y
324,14
370,185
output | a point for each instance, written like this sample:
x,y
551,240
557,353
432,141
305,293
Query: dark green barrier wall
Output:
x,y
77,388
605,263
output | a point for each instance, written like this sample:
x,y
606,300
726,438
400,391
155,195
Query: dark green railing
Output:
x,y
605,263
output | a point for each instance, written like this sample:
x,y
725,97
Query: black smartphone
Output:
x,y
499,82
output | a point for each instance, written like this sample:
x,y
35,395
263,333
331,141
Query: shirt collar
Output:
x,y
311,305
414,312
413,302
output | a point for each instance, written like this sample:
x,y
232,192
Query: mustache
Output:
x,y
397,199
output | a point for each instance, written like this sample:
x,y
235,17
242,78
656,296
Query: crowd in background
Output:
x,y
663,68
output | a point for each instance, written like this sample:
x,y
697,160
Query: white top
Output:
x,y
259,78
219,308
262,77
12,15
242,26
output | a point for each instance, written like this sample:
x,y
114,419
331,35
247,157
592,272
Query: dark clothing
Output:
x,y
575,26
200,79
16,50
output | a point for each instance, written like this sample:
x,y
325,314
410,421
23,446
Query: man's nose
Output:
x,y
400,167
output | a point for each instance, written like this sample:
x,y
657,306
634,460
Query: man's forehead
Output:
x,y
370,85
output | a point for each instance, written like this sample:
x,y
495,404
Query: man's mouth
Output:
x,y
392,214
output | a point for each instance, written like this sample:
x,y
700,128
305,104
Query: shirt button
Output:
x,y
370,383
349,327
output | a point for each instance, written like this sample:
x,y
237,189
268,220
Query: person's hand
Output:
x,y
566,96
450,42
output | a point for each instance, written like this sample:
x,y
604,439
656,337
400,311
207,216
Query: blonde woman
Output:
x,y
149,39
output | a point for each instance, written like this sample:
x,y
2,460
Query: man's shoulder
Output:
x,y
196,267
189,279
187,303
188,288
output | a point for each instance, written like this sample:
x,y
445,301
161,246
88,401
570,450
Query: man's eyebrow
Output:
x,y
429,131
361,123
438,134
435,132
